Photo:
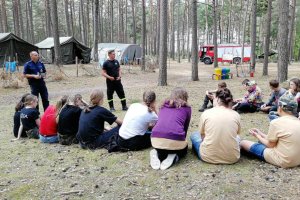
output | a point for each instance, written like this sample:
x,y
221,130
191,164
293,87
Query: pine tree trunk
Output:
x,y
133,23
143,67
48,18
291,29
163,47
3,17
194,50
188,31
158,31
88,27
178,29
72,18
267,38
16,17
253,34
126,23
22,32
282,37
68,24
215,39
111,21
172,42
54,17
96,29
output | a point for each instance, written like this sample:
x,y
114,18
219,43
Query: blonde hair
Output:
x,y
95,98
148,98
29,99
61,102
178,98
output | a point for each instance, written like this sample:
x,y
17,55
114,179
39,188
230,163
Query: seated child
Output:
x,y
91,133
280,146
68,120
139,118
209,96
293,91
277,92
251,101
218,139
48,126
169,134
30,120
18,108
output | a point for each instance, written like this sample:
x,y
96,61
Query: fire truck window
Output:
x,y
211,48
204,49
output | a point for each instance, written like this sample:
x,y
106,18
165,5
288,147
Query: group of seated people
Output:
x,y
217,140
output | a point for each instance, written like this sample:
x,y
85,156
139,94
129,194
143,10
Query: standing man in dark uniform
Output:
x,y
112,72
35,72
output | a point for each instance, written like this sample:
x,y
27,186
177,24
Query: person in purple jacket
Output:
x,y
168,136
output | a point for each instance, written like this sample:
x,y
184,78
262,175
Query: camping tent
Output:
x,y
69,47
11,46
124,52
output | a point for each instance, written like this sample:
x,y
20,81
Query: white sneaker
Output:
x,y
166,163
154,161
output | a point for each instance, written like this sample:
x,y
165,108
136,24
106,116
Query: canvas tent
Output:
x,y
124,52
15,48
70,48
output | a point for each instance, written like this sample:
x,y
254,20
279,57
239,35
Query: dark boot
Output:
x,y
124,106
205,103
111,106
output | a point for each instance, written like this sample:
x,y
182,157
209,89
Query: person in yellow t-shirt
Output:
x,y
218,140
280,146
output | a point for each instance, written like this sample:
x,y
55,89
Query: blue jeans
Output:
x,y
196,142
273,115
257,149
52,139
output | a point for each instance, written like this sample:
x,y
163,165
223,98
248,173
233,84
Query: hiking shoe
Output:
x,y
125,108
211,106
168,162
202,109
154,161
112,110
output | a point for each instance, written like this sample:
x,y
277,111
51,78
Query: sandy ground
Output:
x,y
31,170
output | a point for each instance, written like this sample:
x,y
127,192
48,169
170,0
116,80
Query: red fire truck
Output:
x,y
231,53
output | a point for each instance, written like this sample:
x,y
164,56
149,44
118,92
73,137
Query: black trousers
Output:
x,y
113,86
135,143
163,153
41,89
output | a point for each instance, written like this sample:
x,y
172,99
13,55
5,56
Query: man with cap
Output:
x,y
280,146
35,72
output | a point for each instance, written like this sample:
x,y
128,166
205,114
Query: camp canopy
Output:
x,y
124,52
69,47
13,47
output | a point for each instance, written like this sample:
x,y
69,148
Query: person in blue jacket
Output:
x,y
35,72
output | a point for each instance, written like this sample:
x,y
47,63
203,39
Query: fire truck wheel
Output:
x,y
207,61
237,60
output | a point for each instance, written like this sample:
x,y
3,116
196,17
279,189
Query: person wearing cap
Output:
x,y
280,146
112,72
251,101
35,72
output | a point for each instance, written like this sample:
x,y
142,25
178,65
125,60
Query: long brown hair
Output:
x,y
148,98
29,99
178,98
95,98
21,104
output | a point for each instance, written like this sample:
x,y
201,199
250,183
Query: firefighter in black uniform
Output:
x,y
112,72
35,72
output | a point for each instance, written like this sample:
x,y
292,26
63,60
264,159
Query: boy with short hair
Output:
x,y
209,96
277,92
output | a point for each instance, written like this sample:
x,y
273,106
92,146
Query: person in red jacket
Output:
x,y
48,126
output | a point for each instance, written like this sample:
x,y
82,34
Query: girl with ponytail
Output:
x,y
91,133
133,134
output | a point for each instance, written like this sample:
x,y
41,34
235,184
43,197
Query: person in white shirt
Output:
x,y
134,133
